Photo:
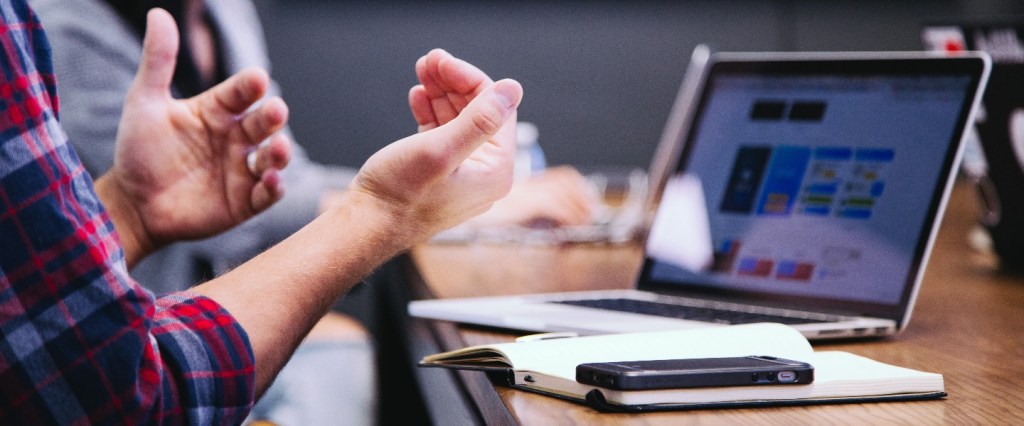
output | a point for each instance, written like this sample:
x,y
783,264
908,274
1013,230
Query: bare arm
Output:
x,y
405,193
180,172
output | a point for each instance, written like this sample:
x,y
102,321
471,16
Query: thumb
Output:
x,y
483,118
159,54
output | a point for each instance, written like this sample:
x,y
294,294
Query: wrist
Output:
x,y
330,200
381,225
127,221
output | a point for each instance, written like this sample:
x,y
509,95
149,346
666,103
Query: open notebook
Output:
x,y
796,188
549,367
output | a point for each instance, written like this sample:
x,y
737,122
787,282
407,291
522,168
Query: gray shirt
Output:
x,y
95,56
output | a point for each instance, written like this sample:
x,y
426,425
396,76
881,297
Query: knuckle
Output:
x,y
488,120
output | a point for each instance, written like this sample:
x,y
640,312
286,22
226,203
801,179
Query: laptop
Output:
x,y
798,188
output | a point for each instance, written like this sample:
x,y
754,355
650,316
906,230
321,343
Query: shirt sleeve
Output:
x,y
208,364
82,342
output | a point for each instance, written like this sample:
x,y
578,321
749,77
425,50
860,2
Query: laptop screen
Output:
x,y
812,182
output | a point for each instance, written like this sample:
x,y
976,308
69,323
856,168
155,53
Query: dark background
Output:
x,y
599,76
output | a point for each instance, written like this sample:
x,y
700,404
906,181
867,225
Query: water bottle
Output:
x,y
529,155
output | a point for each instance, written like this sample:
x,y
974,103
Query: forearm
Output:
x,y
279,295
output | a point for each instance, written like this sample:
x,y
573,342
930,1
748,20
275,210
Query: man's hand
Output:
x,y
180,169
406,192
447,85
459,164
559,196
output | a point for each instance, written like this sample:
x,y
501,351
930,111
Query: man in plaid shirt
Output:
x,y
82,343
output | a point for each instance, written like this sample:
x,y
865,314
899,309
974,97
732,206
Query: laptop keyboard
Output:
x,y
695,313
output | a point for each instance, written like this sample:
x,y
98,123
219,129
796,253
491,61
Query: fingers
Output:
x,y
482,119
271,157
273,154
570,199
572,210
447,85
443,74
159,54
266,120
239,92
422,111
222,105
267,191
228,105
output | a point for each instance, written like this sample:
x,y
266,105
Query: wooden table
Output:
x,y
968,325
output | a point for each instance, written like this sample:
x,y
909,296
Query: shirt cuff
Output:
x,y
209,360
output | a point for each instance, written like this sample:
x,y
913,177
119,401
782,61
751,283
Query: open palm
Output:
x,y
182,163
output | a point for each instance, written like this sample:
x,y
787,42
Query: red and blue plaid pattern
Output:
x,y
80,341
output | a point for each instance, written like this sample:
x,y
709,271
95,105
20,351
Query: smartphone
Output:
x,y
695,373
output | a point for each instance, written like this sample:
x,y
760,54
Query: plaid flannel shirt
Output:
x,y
80,341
